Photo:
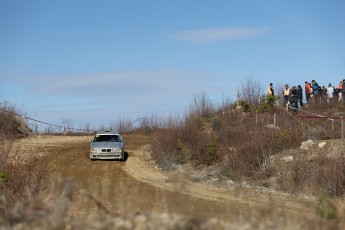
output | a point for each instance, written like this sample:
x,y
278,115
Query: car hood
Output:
x,y
106,144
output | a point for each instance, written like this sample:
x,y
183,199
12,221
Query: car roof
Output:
x,y
107,133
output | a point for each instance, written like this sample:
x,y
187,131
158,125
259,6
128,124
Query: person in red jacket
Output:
x,y
307,91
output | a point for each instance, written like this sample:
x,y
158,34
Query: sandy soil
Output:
x,y
137,185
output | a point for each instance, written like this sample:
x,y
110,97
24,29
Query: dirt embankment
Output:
x,y
138,186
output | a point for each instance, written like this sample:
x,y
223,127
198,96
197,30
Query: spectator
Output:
x,y
270,90
315,87
330,92
307,91
343,91
293,100
300,96
286,94
340,91
323,94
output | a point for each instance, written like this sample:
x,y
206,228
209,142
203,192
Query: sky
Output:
x,y
89,61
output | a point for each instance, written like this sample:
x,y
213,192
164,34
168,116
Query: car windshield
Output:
x,y
107,138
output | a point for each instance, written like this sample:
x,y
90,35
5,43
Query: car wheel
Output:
x,y
125,156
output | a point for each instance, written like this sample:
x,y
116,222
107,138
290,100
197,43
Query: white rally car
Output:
x,y
107,146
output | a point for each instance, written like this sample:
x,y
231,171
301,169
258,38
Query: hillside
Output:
x,y
11,124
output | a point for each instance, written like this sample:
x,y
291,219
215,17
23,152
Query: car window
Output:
x,y
107,138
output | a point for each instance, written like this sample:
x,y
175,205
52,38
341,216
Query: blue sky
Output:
x,y
98,61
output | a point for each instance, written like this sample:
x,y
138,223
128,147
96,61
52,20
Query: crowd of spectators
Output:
x,y
314,94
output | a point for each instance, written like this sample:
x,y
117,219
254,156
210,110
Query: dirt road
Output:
x,y
136,185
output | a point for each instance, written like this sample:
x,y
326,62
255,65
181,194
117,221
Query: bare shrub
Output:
x,y
123,125
164,147
24,182
192,141
144,125
240,140
251,91
149,124
188,138
10,123
172,122
336,185
191,135
39,210
248,144
300,174
249,152
49,130
6,145
329,174
183,153
318,175
201,106
212,150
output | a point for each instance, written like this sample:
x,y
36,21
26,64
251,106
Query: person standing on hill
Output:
x,y
315,87
300,96
340,90
286,94
330,92
270,90
323,94
307,91
343,91
294,105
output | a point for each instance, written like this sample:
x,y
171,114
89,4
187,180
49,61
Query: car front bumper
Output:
x,y
107,155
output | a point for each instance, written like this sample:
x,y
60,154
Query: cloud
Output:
x,y
213,35
101,97
133,82
116,94
106,97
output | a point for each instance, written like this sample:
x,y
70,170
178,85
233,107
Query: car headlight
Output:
x,y
95,150
116,149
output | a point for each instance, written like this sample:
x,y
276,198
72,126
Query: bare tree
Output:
x,y
251,91
123,125
278,89
172,122
67,123
201,105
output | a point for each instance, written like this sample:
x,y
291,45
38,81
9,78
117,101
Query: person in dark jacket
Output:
x,y
323,94
293,99
300,95
316,95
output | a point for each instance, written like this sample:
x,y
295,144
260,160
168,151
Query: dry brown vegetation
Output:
x,y
243,142
10,124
